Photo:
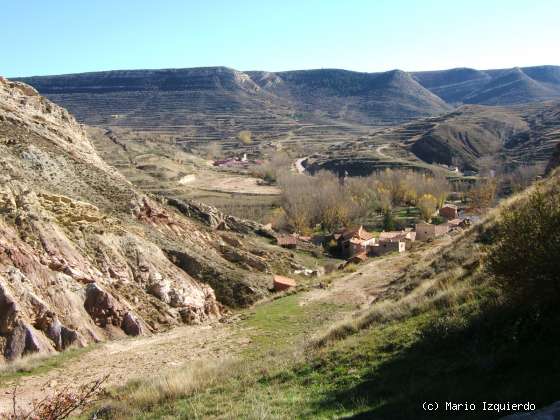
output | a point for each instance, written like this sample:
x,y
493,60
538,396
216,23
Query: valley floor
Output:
x,y
278,325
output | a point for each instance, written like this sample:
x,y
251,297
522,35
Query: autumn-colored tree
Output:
x,y
245,137
427,204
212,150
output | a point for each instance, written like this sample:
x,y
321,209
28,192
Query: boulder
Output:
x,y
102,307
160,289
8,311
131,325
23,340
61,336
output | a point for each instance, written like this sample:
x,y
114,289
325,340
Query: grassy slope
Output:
x,y
441,335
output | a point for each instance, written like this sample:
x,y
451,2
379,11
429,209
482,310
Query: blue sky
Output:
x,y
68,36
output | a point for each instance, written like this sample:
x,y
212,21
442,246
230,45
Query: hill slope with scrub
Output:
x,y
459,324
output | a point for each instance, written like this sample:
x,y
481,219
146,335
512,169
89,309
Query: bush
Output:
x,y
245,137
525,257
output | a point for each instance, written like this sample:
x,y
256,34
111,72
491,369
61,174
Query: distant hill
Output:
x,y
198,105
493,87
174,97
521,134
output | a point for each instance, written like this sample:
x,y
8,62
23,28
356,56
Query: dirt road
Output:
x,y
299,164
379,151
127,359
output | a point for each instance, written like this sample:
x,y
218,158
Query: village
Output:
x,y
356,245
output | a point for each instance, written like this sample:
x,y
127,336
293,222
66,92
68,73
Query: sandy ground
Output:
x,y
232,184
147,356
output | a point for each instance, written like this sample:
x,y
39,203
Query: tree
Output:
x,y
483,193
427,204
245,137
523,176
389,222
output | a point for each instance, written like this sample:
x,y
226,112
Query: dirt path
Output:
x,y
300,169
379,151
147,356
362,287
129,358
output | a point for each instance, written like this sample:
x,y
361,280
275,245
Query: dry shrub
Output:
x,y
61,404
483,194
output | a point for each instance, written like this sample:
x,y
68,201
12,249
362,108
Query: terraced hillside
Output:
x,y
514,136
345,117
208,101
493,87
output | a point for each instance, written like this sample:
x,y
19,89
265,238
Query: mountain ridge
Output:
x,y
146,98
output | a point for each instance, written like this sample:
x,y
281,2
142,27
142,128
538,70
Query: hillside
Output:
x,y
217,102
493,87
521,135
86,257
363,97
150,99
431,327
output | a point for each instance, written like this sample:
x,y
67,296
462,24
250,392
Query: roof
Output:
x,y
286,240
450,206
357,233
399,235
391,235
285,281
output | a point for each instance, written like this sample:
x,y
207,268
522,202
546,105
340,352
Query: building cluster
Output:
x,y
356,245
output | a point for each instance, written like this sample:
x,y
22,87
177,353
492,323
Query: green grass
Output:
x,y
386,372
284,323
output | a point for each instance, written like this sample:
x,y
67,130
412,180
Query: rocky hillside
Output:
x,y
521,135
85,257
368,98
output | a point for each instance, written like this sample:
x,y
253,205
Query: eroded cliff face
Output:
x,y
84,257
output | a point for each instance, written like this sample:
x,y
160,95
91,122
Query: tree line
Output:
x,y
331,202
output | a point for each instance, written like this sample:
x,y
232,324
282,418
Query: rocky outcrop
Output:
x,y
232,288
214,218
24,339
82,251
